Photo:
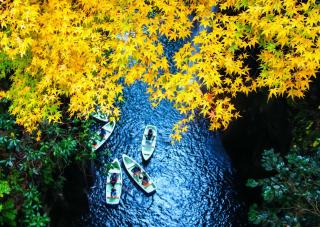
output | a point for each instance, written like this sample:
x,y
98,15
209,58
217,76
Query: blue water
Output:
x,y
194,177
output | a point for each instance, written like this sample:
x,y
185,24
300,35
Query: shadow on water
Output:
x,y
194,177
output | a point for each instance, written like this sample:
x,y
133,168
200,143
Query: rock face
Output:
x,y
263,125
70,205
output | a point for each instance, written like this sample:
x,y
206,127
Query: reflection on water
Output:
x,y
194,177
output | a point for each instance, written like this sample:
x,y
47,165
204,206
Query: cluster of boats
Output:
x,y
134,170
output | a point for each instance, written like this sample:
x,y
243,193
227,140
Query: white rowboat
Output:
x,y
114,183
104,134
148,144
100,116
131,165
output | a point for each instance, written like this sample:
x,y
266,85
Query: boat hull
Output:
x,y
114,200
148,146
129,165
108,129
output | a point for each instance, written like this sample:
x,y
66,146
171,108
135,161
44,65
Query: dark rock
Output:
x,y
70,205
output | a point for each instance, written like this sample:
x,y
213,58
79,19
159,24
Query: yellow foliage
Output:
x,y
2,94
81,50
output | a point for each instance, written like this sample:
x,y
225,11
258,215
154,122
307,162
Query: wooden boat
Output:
x,y
114,183
104,133
101,116
142,179
148,144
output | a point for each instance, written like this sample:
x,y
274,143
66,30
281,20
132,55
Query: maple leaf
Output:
x,y
85,48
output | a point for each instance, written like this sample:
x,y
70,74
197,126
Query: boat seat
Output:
x,y
130,165
147,185
113,197
107,130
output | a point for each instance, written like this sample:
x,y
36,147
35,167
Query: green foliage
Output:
x,y
8,213
32,164
7,210
5,65
32,208
4,188
292,195
107,168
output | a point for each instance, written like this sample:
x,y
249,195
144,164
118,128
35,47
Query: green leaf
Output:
x,y
4,188
252,183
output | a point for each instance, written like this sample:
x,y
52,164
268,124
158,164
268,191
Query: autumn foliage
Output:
x,y
82,49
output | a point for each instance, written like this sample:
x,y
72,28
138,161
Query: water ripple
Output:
x,y
194,177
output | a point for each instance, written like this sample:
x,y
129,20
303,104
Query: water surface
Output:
x,y
194,177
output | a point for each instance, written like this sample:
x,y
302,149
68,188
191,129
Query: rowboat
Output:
x,y
104,133
114,183
100,116
109,127
148,143
138,174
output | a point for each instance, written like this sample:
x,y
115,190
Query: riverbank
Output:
x,y
265,124
69,206
261,126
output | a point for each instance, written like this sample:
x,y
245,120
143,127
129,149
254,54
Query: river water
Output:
x,y
194,177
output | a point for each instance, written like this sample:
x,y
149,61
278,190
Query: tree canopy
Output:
x,y
77,53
